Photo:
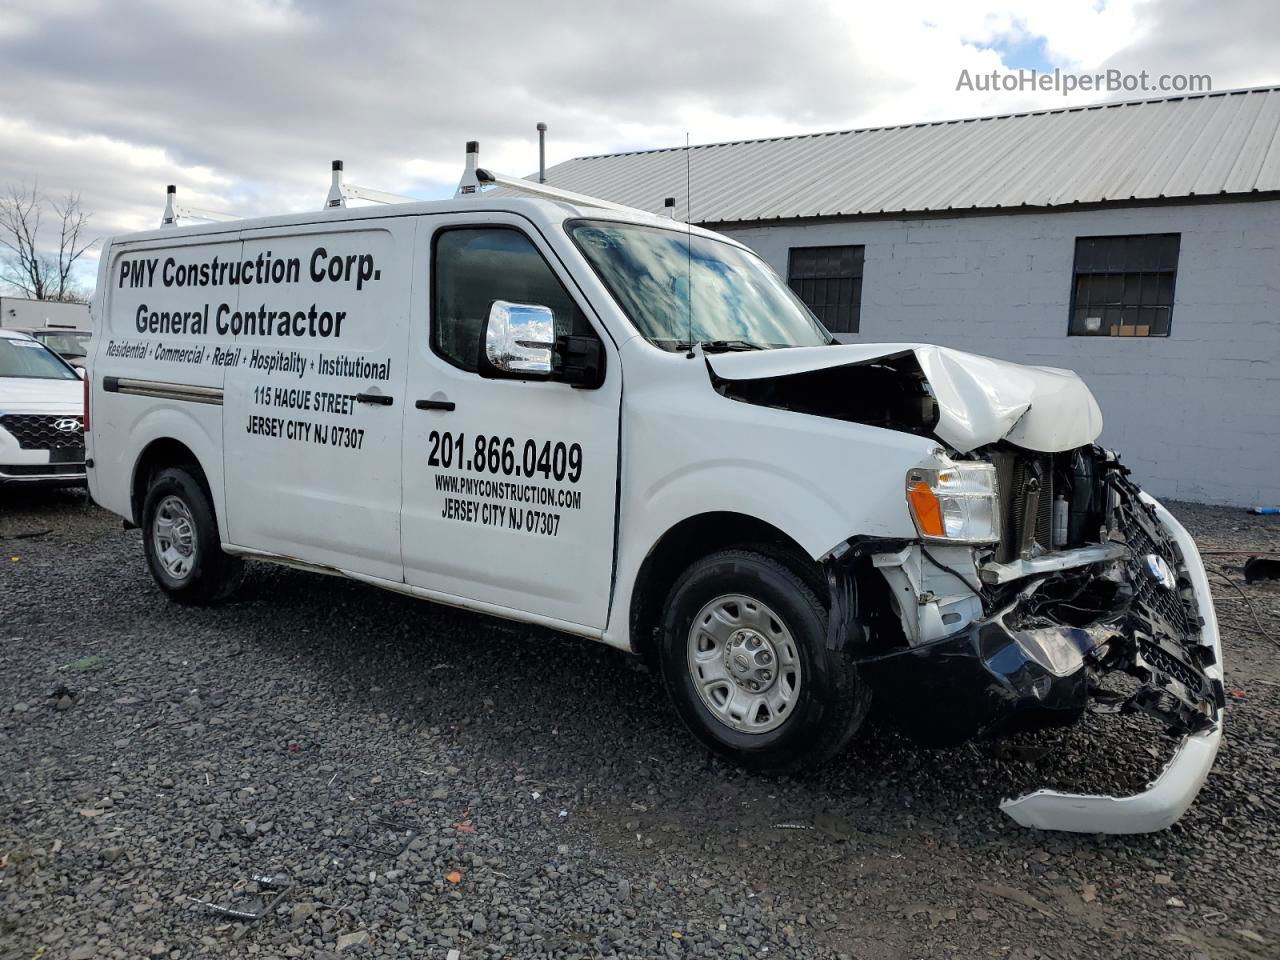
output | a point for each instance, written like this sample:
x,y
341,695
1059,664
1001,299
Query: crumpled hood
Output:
x,y
980,400
38,395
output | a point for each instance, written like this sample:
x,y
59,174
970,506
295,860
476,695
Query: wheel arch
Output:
x,y
160,454
695,537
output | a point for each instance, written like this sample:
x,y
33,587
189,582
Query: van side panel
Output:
x,y
156,339
104,488
315,395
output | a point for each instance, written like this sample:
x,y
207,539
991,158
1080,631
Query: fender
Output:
x,y
773,494
688,451
199,429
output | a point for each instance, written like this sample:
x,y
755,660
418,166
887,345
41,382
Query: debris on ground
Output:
x,y
1257,569
126,815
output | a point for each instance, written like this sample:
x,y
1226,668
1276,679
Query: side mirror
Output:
x,y
520,343
82,371
519,339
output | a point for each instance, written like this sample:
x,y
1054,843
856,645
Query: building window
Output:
x,y
829,281
1123,286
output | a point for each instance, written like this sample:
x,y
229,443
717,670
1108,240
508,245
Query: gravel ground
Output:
x,y
427,780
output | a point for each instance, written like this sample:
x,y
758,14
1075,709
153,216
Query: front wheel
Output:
x,y
745,660
180,537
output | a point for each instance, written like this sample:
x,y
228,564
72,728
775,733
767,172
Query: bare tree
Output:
x,y
25,263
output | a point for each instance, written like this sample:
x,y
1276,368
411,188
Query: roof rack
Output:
x,y
174,211
340,193
475,177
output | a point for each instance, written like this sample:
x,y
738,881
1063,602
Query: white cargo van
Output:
x,y
560,411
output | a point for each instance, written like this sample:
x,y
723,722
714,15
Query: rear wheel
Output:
x,y
180,537
745,661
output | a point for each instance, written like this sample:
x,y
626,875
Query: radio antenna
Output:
x,y
688,240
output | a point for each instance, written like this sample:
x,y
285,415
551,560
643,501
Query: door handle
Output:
x,y
380,399
435,405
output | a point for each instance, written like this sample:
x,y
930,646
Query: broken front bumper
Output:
x,y
1135,607
1170,794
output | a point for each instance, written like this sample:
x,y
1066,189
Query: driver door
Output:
x,y
510,485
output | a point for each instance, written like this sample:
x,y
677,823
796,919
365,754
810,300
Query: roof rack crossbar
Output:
x,y
340,192
475,177
174,211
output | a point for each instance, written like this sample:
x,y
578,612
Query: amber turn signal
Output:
x,y
924,504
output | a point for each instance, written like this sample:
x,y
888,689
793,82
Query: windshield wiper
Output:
x,y
718,346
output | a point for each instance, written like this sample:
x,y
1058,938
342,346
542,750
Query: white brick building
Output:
x,y
1137,243
23,314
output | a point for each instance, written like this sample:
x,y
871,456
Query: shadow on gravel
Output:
x,y
16,502
544,696
533,695
903,824
313,706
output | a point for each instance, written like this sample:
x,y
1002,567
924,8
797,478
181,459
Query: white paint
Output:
x,y
308,498
565,577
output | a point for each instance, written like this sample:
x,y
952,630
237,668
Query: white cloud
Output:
x,y
19,18
244,103
1079,34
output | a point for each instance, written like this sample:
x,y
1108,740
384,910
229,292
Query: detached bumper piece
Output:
x,y
1165,649
1170,645
1128,628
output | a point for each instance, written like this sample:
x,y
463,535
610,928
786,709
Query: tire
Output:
x,y
180,537
792,731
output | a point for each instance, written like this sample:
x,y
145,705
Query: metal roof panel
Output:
x,y
1192,145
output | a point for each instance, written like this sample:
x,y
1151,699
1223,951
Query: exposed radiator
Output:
x,y
1012,470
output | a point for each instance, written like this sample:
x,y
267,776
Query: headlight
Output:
x,y
956,504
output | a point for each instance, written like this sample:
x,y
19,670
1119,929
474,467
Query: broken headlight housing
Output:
x,y
956,503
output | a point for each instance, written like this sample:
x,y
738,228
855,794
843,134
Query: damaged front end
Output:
x,y
1101,604
1042,582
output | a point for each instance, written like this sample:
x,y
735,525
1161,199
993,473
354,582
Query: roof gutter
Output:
x,y
1252,196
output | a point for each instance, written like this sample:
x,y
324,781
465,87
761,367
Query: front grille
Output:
x,y
39,431
1167,605
1012,471
1170,665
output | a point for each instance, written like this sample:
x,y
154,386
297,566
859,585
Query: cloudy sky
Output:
x,y
243,103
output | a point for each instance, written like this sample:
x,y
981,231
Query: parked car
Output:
x,y
41,415
71,345
590,418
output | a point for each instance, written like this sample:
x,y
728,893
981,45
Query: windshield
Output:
x,y
737,300
27,358
67,344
